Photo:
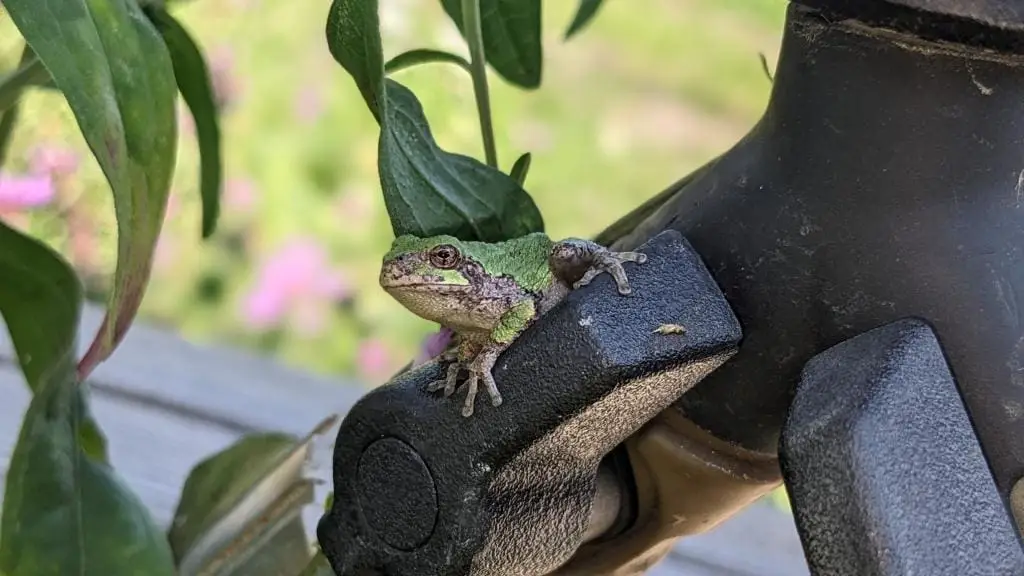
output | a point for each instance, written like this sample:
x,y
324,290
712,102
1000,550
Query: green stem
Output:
x,y
478,70
28,74
9,116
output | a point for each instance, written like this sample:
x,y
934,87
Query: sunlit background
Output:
x,y
649,91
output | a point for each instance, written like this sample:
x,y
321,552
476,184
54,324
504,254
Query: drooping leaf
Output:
x,y
512,37
217,483
353,37
240,508
116,74
584,14
520,168
196,89
424,56
427,191
65,511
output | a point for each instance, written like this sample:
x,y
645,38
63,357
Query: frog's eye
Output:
x,y
445,256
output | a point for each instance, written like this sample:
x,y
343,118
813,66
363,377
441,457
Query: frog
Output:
x,y
488,293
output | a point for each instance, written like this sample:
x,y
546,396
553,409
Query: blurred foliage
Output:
x,y
652,90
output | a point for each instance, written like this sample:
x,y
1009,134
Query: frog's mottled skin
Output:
x,y
489,293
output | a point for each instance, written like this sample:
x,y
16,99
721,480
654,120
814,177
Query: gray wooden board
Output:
x,y
165,404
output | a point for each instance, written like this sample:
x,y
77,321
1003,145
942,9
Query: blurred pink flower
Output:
x,y
225,84
309,104
165,252
372,358
55,160
240,194
295,277
20,192
433,345
186,125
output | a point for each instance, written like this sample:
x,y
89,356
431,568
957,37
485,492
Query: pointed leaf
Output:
x,y
116,74
520,168
424,56
512,37
584,14
65,510
196,89
427,190
353,37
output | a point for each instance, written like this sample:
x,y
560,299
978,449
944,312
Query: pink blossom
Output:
x,y
21,192
240,194
186,125
55,160
432,346
372,358
295,277
309,104
225,84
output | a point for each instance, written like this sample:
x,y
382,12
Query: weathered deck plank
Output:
x,y
164,404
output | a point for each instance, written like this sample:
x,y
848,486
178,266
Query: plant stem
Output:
x,y
27,74
478,70
9,115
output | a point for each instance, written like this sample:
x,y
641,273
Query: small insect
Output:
x,y
670,329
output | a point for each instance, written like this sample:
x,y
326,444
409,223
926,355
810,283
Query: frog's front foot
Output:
x,y
479,370
611,262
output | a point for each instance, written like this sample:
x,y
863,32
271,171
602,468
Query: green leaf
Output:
x,y
116,74
424,56
520,168
353,38
240,509
65,511
512,37
427,191
584,14
217,483
196,89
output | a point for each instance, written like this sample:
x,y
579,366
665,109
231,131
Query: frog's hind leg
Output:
x,y
579,261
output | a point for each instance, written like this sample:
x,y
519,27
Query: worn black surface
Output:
x,y
995,24
514,483
883,468
885,180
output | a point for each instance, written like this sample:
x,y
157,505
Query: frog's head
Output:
x,y
429,276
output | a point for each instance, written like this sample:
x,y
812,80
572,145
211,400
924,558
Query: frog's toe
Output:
x,y
449,384
471,389
611,262
638,257
492,389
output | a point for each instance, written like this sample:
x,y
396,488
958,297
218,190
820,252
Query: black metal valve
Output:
x,y
515,490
